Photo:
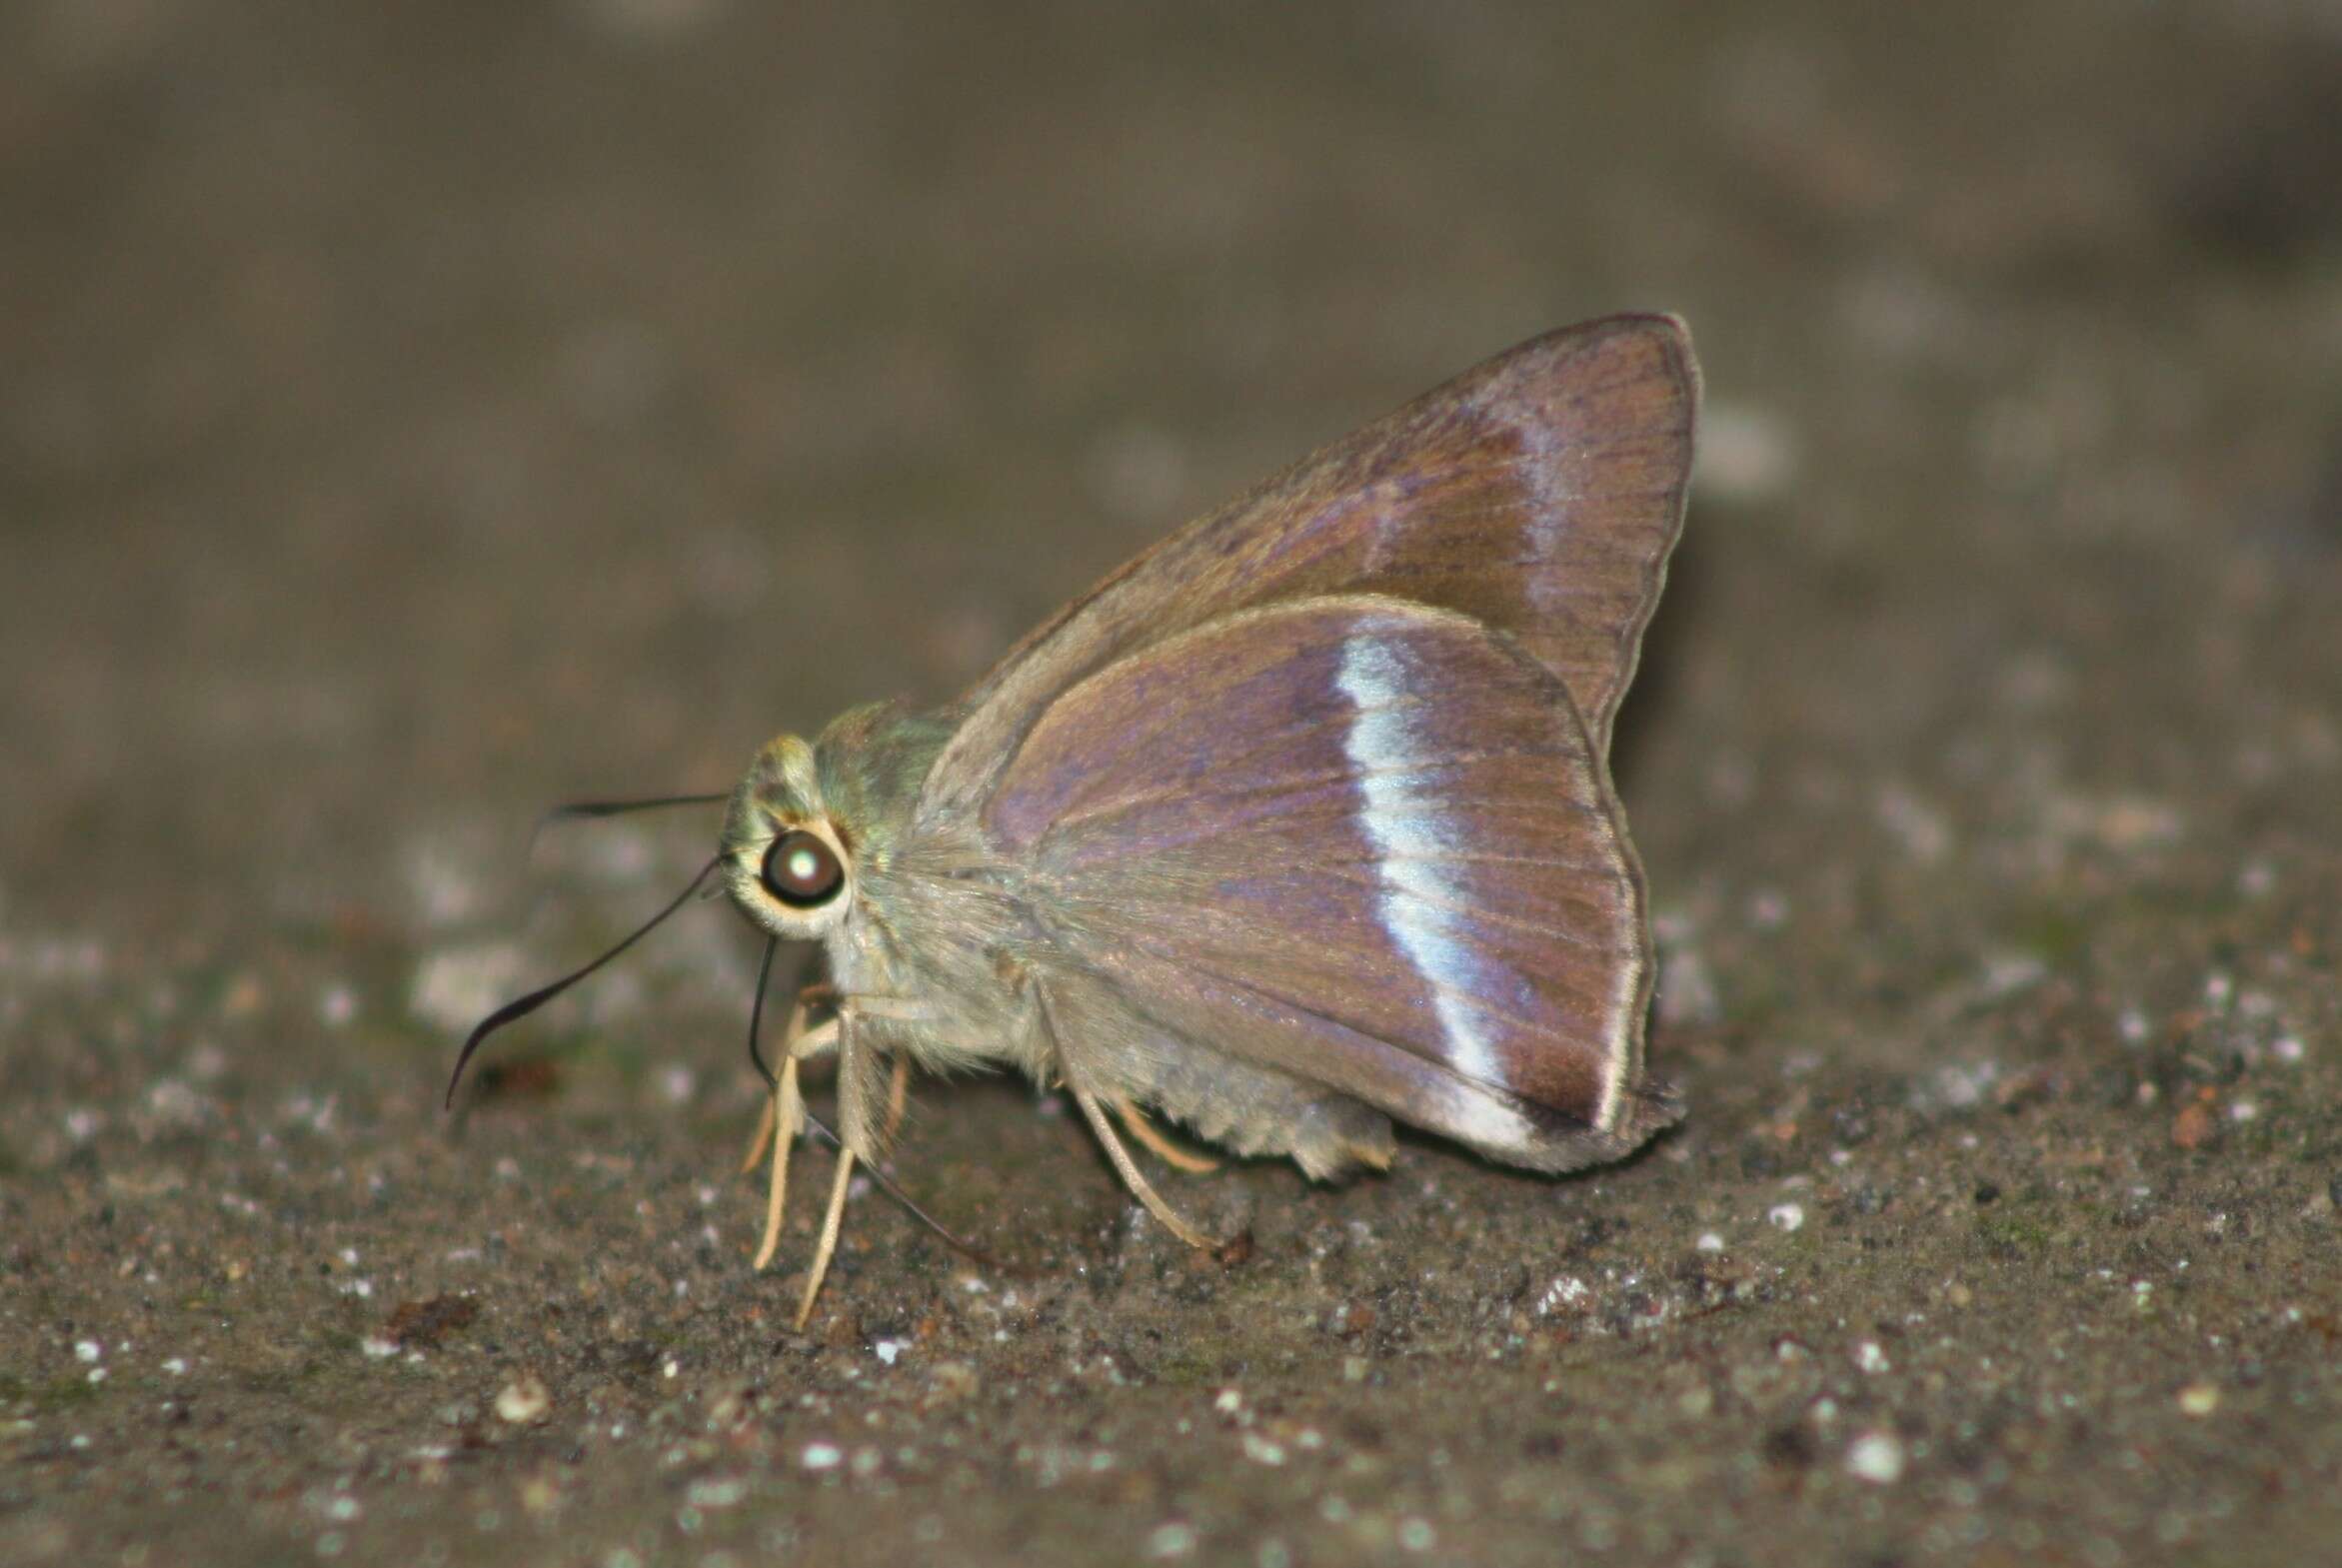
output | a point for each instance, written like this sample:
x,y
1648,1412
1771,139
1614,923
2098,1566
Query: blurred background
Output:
x,y
411,415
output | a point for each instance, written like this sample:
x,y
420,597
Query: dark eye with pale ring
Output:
x,y
802,871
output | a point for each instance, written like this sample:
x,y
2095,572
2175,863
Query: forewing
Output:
x,y
1538,493
1362,843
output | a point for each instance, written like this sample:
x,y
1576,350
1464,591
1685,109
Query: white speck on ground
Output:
x,y
1171,1540
338,1006
1566,1292
1876,1457
523,1401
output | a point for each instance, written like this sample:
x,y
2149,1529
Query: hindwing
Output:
x,y
1361,841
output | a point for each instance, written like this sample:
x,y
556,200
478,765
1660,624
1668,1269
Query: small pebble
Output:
x,y
2192,1128
821,1456
1786,1216
524,1400
2199,1399
1876,1457
1171,1540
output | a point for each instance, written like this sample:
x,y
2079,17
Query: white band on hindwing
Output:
x,y
1400,821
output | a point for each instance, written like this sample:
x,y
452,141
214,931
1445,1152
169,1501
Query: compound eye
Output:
x,y
802,871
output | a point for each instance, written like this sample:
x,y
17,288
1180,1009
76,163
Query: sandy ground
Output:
x,y
412,417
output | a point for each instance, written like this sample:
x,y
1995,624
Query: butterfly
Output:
x,y
1299,825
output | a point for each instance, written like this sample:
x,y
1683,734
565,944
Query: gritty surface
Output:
x,y
407,421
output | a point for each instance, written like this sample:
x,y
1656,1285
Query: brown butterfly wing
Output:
x,y
1539,493
1362,842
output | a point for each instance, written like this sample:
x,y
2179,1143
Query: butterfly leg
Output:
x,y
831,1222
1165,1147
1128,1169
1099,1123
858,1119
808,997
787,1112
762,1137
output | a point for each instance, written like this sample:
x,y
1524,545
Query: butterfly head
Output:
x,y
787,862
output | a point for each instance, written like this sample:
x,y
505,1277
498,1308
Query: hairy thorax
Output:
x,y
956,996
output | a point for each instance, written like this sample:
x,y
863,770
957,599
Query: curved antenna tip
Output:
x,y
522,1006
